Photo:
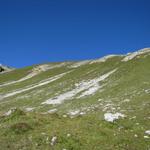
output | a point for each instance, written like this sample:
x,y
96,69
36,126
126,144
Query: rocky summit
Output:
x,y
101,104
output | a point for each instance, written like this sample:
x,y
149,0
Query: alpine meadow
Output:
x,y
101,104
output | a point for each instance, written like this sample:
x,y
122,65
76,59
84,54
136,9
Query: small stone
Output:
x,y
68,135
100,100
53,140
65,116
147,132
112,117
136,135
82,113
146,137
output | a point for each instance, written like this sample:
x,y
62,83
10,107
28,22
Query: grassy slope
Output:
x,y
33,130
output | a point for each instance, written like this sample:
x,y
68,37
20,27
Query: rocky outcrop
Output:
x,y
4,68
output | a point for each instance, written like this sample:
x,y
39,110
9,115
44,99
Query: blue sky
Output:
x,y
38,31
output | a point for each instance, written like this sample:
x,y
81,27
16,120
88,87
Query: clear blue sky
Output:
x,y
37,31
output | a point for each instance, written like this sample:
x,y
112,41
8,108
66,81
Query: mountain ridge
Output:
x,y
138,52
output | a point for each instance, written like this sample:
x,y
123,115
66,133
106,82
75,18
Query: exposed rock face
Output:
x,y
130,56
4,68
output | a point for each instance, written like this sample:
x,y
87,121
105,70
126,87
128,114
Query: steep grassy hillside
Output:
x,y
101,104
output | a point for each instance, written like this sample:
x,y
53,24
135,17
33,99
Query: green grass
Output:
x,y
34,130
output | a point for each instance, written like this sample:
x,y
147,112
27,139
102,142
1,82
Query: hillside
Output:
x,y
101,104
